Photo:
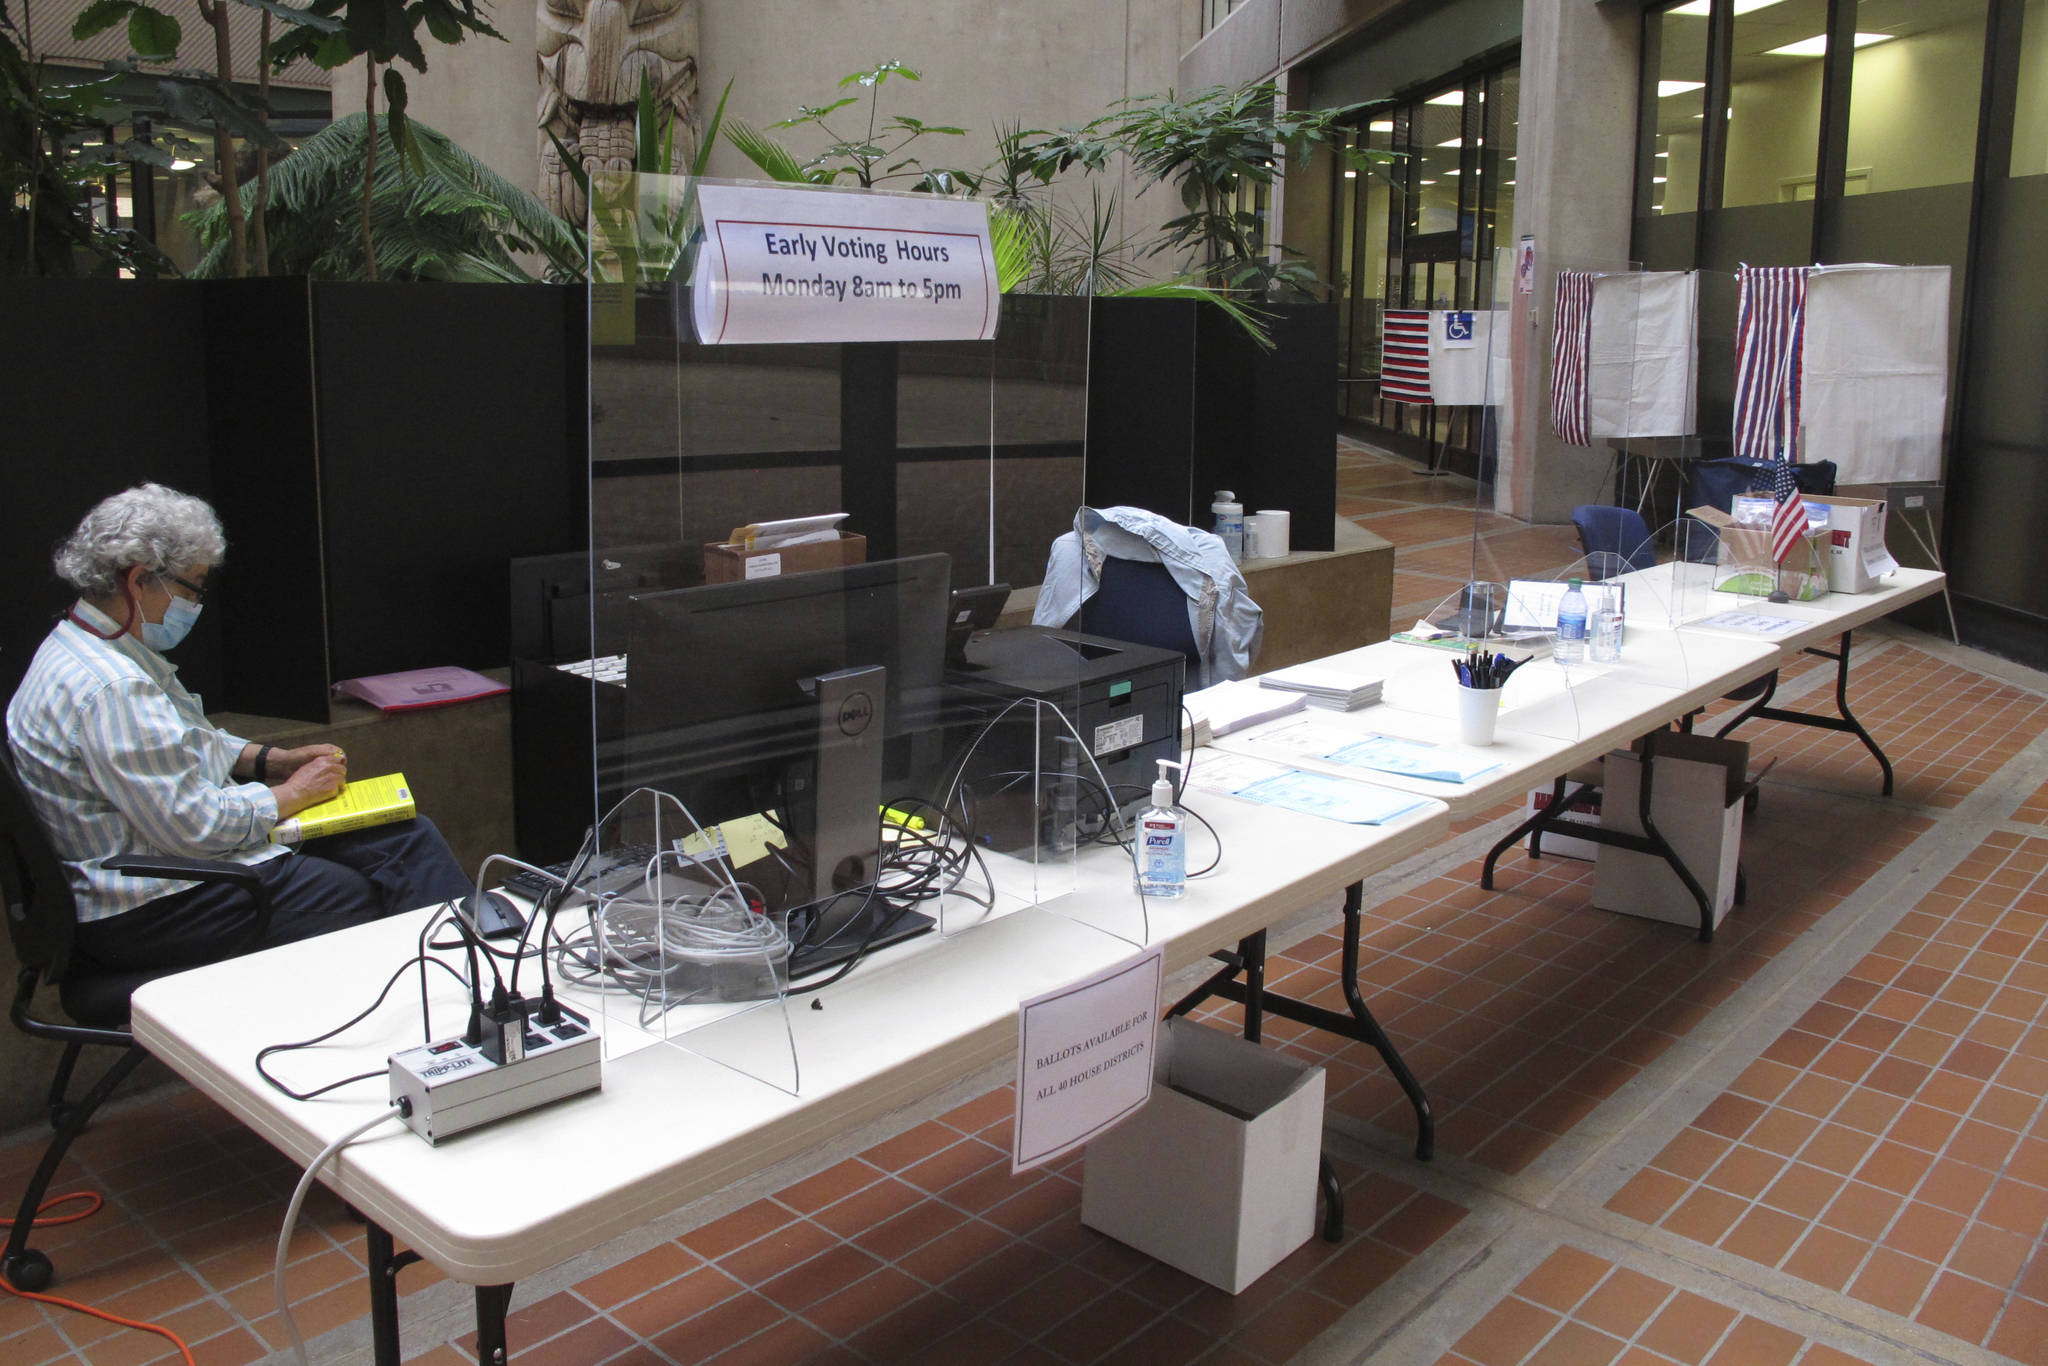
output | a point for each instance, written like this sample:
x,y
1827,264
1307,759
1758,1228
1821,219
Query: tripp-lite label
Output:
x,y
438,1061
1120,734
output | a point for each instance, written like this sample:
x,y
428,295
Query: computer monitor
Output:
x,y
555,596
726,711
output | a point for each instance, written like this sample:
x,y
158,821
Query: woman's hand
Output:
x,y
283,763
315,780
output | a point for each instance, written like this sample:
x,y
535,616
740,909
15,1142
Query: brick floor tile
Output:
x,y
1507,1333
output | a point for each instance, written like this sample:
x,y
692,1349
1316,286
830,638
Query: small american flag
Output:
x,y
1788,523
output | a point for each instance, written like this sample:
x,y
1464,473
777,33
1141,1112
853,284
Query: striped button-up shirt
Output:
x,y
118,758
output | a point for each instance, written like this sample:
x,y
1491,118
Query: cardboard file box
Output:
x,y
727,561
1746,565
1697,804
1558,841
1856,550
1216,1175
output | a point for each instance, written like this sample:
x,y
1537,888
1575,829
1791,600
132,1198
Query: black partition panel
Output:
x,y
451,441
1141,407
1181,403
1266,419
100,384
259,400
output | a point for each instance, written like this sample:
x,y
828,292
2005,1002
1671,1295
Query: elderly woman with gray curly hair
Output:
x,y
117,757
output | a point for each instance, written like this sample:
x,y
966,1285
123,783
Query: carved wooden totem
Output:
x,y
592,56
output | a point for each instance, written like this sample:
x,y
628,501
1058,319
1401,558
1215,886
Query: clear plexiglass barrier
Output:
x,y
827,459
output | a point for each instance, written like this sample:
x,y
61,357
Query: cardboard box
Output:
x,y
1697,805
727,561
1585,811
1857,557
1746,565
1216,1175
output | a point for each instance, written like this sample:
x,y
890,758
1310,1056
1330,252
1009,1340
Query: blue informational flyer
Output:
x,y
1338,799
1413,759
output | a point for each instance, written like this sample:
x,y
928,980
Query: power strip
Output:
x,y
455,1087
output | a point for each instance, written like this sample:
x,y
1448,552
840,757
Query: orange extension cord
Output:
x,y
86,1213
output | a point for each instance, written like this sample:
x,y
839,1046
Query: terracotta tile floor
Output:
x,y
1820,1139
1432,523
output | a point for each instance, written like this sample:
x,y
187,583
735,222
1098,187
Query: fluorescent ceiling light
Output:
x,y
1817,46
1425,182
1666,89
1351,175
1699,7
180,164
1454,97
1380,126
1454,171
1454,142
1663,154
1658,179
1507,182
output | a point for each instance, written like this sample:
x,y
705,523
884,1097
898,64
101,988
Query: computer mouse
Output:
x,y
496,917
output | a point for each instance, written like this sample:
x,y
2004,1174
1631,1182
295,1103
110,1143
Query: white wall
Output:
x,y
1042,62
2030,123
1773,133
1913,108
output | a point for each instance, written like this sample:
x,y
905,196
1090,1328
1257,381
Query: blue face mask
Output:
x,y
163,635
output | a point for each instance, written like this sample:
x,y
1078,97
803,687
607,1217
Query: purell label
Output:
x,y
1164,841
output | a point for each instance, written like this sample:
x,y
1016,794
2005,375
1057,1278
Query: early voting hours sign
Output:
x,y
787,265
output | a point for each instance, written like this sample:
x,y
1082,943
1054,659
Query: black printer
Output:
x,y
1122,699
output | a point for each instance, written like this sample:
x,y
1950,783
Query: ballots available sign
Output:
x,y
812,265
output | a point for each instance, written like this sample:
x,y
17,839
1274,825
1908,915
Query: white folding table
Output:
x,y
671,1125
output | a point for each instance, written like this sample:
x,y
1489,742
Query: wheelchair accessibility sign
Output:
x,y
1458,330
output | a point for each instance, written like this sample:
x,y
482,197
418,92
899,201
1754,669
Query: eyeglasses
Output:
x,y
198,591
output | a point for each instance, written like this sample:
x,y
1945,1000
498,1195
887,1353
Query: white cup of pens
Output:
x,y
1481,676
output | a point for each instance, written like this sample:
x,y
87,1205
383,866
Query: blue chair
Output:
x,y
1618,532
1142,603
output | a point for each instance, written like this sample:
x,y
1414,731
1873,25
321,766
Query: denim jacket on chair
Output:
x,y
1226,622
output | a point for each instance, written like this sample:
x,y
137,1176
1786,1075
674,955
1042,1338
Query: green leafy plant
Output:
x,y
877,155
445,217
382,32
1212,146
628,223
198,97
47,169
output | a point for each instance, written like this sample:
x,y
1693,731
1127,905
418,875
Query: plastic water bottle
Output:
x,y
1571,626
1229,514
1603,640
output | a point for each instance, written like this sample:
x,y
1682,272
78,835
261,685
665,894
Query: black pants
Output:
x,y
328,884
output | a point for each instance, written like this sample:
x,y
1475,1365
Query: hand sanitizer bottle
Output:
x,y
1162,841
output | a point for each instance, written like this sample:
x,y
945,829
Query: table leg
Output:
x,y
385,1264
1358,1025
491,1303
1333,1202
1845,722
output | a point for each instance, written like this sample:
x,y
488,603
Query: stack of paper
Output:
x,y
1325,687
1232,706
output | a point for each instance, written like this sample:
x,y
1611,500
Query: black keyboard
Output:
x,y
534,886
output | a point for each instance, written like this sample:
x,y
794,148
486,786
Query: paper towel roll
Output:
x,y
1267,534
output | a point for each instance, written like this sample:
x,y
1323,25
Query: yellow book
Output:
x,y
364,802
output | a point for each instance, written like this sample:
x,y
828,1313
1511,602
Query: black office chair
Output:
x,y
41,921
